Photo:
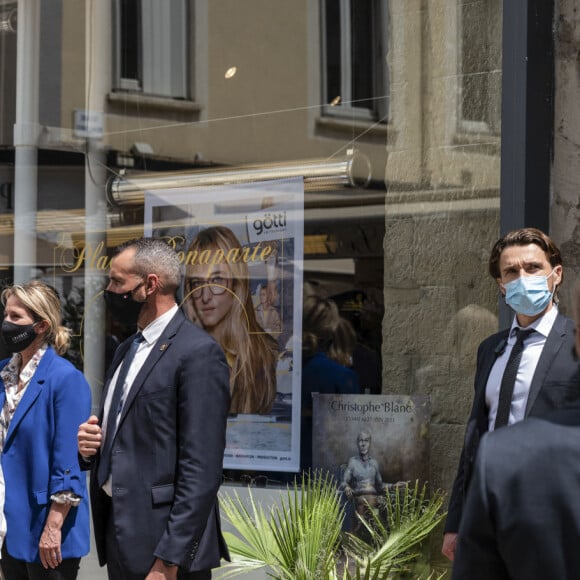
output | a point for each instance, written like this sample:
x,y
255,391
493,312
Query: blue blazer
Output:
x,y
40,458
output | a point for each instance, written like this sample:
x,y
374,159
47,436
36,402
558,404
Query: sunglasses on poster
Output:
x,y
217,285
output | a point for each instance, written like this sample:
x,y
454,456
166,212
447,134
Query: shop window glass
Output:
x,y
402,251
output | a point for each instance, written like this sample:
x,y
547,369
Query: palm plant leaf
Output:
x,y
307,528
411,517
254,546
299,539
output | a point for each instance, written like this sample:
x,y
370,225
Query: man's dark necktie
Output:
x,y
508,380
115,410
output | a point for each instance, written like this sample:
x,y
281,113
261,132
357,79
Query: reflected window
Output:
x,y
152,47
480,65
354,66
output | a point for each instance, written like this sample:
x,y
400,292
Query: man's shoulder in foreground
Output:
x,y
527,431
521,518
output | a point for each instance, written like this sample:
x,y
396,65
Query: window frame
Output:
x,y
379,110
492,124
164,50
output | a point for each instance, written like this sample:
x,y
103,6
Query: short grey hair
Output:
x,y
155,256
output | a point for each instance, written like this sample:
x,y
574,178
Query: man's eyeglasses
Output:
x,y
217,285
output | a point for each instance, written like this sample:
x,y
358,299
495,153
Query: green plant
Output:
x,y
394,544
300,538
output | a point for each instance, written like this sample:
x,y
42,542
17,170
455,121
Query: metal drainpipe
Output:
x,y
97,72
26,134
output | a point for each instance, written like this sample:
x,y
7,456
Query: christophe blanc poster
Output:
x,y
241,247
371,444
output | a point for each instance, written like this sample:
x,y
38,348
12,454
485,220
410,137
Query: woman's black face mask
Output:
x,y
123,307
17,337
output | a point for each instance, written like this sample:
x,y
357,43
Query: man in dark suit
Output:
x,y
527,267
521,520
156,448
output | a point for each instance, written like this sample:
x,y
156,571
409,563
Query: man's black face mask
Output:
x,y
123,307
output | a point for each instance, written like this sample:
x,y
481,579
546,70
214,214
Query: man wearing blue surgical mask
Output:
x,y
527,370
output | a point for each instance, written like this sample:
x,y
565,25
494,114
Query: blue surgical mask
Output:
x,y
528,295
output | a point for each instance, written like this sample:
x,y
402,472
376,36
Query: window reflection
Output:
x,y
399,251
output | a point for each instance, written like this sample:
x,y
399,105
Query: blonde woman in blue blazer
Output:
x,y
43,398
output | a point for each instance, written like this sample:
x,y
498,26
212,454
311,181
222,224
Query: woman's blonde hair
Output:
x,y
343,343
253,374
320,319
43,304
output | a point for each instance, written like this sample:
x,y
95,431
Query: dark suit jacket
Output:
x,y
167,455
556,382
522,515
